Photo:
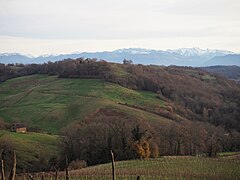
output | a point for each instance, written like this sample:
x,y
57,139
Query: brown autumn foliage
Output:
x,y
132,138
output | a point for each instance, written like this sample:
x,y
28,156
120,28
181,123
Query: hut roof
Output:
x,y
19,125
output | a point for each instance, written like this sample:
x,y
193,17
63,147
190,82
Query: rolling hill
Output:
x,y
95,106
48,103
172,92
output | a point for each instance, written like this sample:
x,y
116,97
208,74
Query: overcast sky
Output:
x,y
64,26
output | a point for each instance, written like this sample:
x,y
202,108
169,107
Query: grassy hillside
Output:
x,y
165,120
32,149
191,92
164,168
50,103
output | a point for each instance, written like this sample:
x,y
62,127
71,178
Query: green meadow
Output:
x,y
49,103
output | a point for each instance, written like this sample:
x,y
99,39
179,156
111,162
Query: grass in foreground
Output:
x,y
163,168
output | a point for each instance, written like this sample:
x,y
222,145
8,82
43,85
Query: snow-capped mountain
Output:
x,y
200,52
16,54
133,51
180,57
14,58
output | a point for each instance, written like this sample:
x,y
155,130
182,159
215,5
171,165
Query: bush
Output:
x,y
77,164
141,149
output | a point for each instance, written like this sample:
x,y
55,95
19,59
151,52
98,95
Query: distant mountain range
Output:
x,y
180,57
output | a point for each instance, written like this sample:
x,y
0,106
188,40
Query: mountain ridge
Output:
x,y
180,57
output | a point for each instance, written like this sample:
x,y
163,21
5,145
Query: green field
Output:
x,y
162,168
31,148
50,103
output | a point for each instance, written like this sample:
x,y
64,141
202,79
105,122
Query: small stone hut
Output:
x,y
19,128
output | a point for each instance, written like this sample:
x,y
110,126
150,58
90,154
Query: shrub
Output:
x,y
77,164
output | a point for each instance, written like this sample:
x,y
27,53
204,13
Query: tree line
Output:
x,y
133,138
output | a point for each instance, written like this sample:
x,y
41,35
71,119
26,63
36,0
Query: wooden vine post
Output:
x,y
42,176
2,170
13,170
2,167
67,176
113,166
56,175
